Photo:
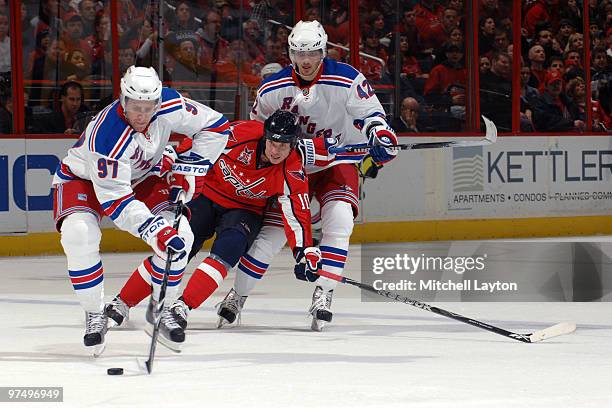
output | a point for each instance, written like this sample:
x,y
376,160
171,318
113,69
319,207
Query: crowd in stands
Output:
x,y
225,41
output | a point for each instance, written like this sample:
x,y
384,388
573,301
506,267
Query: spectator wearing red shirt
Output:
x,y
537,13
434,35
446,75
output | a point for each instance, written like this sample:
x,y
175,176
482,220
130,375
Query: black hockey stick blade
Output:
x,y
537,336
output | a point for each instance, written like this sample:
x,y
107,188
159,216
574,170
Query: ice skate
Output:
x,y
95,330
230,308
320,308
117,312
171,334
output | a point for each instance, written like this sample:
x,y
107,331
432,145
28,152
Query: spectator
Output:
x,y
409,28
501,41
571,12
557,63
337,27
187,68
545,38
370,67
457,5
496,92
236,66
62,119
427,12
492,8
537,13
6,112
5,46
49,66
183,20
445,86
566,28
576,90
272,54
436,34
77,65
145,44
213,47
100,47
528,94
87,10
73,32
270,69
537,58
599,65
552,108
573,60
484,66
486,35
407,121
334,53
602,109
575,43
253,38
127,58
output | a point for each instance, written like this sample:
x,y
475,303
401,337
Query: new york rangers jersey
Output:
x,y
115,157
335,105
240,179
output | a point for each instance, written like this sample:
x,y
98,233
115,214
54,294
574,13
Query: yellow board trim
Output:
x,y
47,243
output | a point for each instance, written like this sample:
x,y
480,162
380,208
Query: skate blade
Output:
x,y
98,349
317,325
169,344
222,322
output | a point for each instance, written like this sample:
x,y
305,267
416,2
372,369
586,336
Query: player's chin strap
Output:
x,y
490,138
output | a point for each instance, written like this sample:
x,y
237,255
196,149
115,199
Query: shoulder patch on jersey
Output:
x,y
340,69
297,174
110,135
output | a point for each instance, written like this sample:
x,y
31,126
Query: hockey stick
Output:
x,y
162,292
490,138
552,331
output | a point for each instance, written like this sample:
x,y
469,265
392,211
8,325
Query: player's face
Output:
x,y
276,152
308,63
139,113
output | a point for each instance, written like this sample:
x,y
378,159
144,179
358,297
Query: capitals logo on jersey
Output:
x,y
242,188
298,174
245,156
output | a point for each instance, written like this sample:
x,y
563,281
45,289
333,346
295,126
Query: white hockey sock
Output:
x,y
337,226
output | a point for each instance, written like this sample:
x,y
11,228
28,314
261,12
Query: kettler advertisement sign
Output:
x,y
531,175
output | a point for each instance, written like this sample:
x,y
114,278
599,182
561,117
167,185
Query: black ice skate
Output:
x,y
230,308
320,308
171,334
96,325
117,312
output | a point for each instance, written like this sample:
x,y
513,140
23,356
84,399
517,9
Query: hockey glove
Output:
x,y
381,138
308,263
168,158
182,188
164,239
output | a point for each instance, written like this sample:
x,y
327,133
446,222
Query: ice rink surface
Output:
x,y
373,355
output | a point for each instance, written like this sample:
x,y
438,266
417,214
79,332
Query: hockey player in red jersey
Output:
x,y
115,170
258,164
334,102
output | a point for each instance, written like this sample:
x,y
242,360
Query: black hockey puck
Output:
x,y
115,371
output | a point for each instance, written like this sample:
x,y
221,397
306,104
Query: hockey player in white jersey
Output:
x,y
336,105
117,169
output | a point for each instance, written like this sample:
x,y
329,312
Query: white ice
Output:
x,y
372,355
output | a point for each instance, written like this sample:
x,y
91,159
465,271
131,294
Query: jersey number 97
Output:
x,y
103,168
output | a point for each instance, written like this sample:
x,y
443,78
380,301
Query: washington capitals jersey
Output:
x,y
334,105
239,179
115,157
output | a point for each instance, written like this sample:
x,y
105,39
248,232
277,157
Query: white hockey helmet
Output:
x,y
307,36
140,84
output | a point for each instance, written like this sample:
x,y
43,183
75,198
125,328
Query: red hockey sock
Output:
x,y
204,281
135,289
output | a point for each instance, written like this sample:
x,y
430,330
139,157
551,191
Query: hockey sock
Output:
x,y
249,272
135,289
205,280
